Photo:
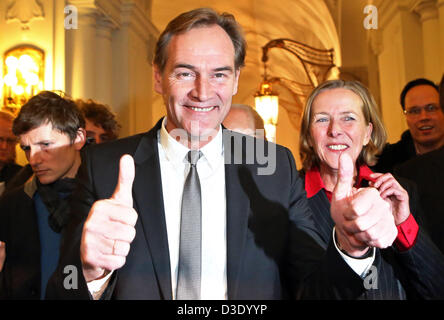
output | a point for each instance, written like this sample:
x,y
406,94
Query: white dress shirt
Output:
x,y
360,266
210,167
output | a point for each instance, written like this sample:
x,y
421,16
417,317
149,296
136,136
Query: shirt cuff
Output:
x,y
407,233
360,266
97,287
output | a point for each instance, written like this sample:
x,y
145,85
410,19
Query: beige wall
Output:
x,y
107,58
42,28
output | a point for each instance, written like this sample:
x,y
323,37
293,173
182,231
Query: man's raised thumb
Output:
x,y
344,184
123,192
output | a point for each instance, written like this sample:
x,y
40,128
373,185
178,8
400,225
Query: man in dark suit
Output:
x,y
255,237
8,167
8,142
427,171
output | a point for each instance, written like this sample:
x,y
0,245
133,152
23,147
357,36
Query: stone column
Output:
x,y
104,62
428,12
81,47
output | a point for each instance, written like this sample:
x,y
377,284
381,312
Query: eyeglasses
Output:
x,y
416,111
10,141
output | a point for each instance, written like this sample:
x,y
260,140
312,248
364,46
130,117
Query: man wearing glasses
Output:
x,y
427,171
8,141
425,119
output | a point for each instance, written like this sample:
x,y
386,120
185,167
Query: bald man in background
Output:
x,y
244,119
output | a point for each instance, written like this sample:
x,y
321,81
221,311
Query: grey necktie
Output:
x,y
189,273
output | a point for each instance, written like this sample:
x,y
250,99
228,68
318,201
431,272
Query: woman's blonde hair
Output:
x,y
371,115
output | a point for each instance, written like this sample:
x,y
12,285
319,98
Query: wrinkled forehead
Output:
x,y
6,128
337,99
204,42
422,94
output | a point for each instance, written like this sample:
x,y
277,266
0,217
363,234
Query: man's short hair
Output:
x,y
202,17
49,107
415,83
101,116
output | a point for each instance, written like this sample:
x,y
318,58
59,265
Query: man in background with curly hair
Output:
x,y
100,121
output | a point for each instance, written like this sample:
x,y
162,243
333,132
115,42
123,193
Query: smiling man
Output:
x,y
425,118
51,133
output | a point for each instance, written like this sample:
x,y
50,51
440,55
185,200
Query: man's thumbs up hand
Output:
x,y
363,219
109,228
123,193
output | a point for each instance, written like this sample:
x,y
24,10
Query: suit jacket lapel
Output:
x,y
238,206
149,204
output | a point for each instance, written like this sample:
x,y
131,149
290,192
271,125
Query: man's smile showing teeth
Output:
x,y
202,109
337,146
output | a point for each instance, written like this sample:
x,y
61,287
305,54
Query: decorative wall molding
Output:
x,y
111,10
388,9
24,11
427,9
136,18
375,41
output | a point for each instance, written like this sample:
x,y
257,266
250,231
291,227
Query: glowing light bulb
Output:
x,y
18,90
26,64
10,80
31,78
11,62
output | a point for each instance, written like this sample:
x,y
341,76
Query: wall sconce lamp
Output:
x,y
317,64
23,76
267,105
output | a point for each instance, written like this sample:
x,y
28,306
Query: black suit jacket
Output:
x,y
427,171
273,249
20,277
394,154
417,273
8,172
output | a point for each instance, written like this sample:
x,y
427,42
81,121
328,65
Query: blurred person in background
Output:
x,y
244,119
427,171
425,118
8,142
100,122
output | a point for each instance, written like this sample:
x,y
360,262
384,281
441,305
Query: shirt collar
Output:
x,y
176,152
314,183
